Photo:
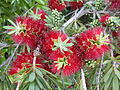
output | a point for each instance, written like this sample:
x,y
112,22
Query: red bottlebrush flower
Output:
x,y
25,60
104,18
13,71
53,40
74,4
30,40
55,4
92,43
65,64
28,30
115,4
116,33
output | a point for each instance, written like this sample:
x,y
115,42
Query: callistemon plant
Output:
x,y
93,43
60,45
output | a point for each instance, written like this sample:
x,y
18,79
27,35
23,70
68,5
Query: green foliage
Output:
x,y
38,79
62,45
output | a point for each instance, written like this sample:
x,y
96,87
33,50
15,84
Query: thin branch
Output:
x,y
78,15
4,45
30,9
11,57
83,80
99,73
18,85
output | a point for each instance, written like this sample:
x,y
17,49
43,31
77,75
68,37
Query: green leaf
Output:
x,y
40,1
12,32
32,77
108,74
115,83
9,27
69,44
9,83
108,82
117,73
39,83
37,87
39,73
47,72
107,61
44,82
31,86
12,23
28,48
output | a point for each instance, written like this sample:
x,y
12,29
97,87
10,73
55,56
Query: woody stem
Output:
x,y
34,61
83,80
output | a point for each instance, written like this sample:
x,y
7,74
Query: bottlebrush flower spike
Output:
x,y
104,18
65,64
115,4
92,43
57,40
26,30
24,60
55,4
110,20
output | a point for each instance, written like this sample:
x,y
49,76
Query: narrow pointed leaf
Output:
x,y
39,72
31,86
117,73
115,83
32,77
9,27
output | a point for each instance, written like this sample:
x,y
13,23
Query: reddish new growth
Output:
x,y
25,60
56,4
65,64
92,43
28,29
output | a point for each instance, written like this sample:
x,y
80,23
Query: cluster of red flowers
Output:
x,y
23,61
115,4
92,43
60,6
27,28
64,56
103,19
